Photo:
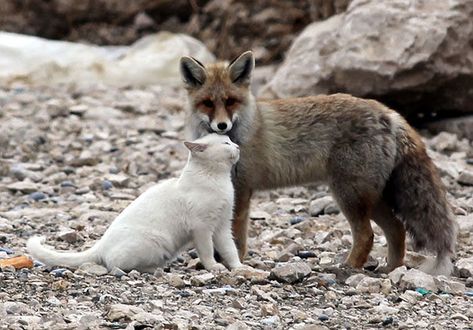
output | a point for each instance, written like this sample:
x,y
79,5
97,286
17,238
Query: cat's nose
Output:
x,y
222,126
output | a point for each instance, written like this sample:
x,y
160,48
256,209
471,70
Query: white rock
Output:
x,y
122,311
316,207
448,285
417,279
396,274
202,279
465,266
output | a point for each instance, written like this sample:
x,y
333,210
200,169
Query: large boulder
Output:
x,y
415,55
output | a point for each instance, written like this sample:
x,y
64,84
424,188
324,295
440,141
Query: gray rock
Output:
x,y
238,325
414,279
123,312
462,126
176,281
317,206
396,274
290,273
118,180
369,285
409,50
117,272
466,178
25,187
69,236
465,267
203,279
448,285
252,274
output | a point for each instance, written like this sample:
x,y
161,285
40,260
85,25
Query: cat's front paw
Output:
x,y
217,268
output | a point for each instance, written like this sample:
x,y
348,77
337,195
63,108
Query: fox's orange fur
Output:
x,y
375,164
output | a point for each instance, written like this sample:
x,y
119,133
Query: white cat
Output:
x,y
194,208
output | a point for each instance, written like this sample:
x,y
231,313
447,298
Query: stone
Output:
x,y
107,185
290,273
288,253
176,281
85,159
384,309
414,279
416,58
37,196
117,272
252,274
466,178
26,187
238,325
202,279
260,215
461,126
93,269
316,207
465,267
369,285
445,142
354,280
269,309
447,285
69,236
118,180
123,312
396,274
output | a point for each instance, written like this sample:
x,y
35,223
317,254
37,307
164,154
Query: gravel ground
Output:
x,y
71,160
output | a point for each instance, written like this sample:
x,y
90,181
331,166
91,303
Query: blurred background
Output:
x,y
414,55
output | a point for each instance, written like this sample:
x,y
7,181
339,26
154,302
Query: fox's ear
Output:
x,y
195,147
192,72
241,68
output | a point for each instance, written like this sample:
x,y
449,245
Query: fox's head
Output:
x,y
218,92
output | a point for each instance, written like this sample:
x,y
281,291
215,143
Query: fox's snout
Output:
x,y
221,126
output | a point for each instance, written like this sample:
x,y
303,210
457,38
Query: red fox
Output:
x,y
373,161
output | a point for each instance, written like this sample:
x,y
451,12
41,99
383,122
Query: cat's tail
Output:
x,y
55,258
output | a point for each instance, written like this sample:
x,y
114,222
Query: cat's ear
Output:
x,y
241,68
195,147
193,72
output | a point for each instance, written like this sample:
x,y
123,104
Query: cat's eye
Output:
x,y
230,101
208,103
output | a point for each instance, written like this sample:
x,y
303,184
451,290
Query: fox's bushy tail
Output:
x,y
417,195
55,258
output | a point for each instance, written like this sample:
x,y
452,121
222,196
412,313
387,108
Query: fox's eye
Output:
x,y
208,103
226,143
230,101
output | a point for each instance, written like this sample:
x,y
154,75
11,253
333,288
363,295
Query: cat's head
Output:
x,y
214,148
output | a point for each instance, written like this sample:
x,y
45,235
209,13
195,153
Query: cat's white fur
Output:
x,y
195,208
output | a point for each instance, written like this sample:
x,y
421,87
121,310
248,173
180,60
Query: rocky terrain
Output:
x,y
71,159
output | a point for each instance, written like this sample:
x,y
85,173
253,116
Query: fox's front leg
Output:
x,y
240,220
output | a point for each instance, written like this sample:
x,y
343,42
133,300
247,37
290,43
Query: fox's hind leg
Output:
x,y
395,235
240,220
357,211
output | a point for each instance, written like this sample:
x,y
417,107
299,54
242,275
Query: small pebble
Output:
x,y
295,220
37,196
387,321
107,185
323,317
6,250
306,254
